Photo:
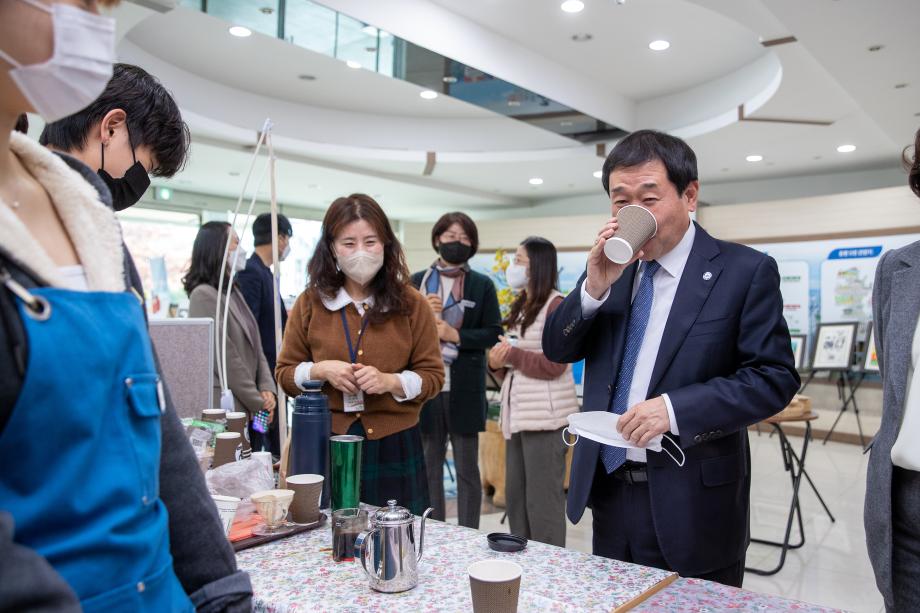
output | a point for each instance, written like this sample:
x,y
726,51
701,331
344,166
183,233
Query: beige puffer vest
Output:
x,y
536,404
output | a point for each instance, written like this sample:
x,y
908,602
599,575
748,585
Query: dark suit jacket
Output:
x,y
895,309
725,361
257,285
481,327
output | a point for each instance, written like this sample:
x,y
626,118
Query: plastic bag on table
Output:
x,y
240,479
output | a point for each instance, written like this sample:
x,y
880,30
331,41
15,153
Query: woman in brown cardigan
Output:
x,y
362,329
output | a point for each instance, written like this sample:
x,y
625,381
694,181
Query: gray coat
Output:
x,y
895,307
248,373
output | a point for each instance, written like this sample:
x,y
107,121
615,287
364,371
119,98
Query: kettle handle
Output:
x,y
361,550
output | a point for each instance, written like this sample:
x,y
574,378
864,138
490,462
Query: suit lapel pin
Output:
x,y
707,276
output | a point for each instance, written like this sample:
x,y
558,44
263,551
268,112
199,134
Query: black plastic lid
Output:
x,y
506,543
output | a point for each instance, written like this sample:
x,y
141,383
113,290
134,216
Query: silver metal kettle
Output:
x,y
387,550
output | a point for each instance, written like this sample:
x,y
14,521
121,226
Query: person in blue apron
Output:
x,y
82,526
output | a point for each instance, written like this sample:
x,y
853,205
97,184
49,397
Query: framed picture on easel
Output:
x,y
798,349
834,346
870,363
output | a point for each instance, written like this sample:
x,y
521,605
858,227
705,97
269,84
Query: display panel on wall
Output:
x,y
829,280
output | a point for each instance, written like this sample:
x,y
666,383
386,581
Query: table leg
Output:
x,y
792,462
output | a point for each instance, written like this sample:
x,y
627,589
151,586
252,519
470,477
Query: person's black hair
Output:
x,y
647,146
543,279
913,166
22,124
207,255
262,228
153,119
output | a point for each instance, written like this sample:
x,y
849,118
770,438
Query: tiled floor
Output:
x,y
832,569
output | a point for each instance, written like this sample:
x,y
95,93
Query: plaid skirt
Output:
x,y
393,468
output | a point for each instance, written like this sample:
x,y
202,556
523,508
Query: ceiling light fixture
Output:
x,y
240,31
572,6
353,64
659,45
875,48
429,94
754,158
582,38
536,181
449,79
306,77
900,86
598,174
846,148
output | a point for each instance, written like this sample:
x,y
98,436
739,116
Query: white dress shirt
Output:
x,y
665,285
410,380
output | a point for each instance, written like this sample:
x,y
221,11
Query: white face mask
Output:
x,y
361,266
601,426
285,253
79,68
236,259
516,276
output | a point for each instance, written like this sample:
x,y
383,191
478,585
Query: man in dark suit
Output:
x,y
687,339
258,287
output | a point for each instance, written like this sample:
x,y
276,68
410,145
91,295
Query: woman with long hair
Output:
x,y
248,376
371,338
536,397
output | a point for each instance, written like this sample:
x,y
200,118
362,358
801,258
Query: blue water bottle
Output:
x,y
311,426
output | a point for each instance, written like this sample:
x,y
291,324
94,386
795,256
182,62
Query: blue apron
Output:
x,y
81,452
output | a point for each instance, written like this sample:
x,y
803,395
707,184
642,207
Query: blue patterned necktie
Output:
x,y
613,457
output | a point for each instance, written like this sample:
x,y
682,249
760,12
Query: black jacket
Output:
x,y
203,560
482,324
258,286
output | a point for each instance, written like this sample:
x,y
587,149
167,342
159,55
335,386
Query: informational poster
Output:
x,y
794,284
846,283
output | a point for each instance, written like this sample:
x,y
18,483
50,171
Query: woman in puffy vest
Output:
x,y
536,397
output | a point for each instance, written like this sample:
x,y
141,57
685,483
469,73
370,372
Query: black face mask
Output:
x,y
127,190
455,252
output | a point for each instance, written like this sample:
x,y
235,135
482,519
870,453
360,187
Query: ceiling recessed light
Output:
x,y
267,10
353,64
572,6
754,158
900,86
659,45
449,79
598,174
846,148
306,77
429,94
875,48
514,102
536,181
566,124
240,31
234,173
582,38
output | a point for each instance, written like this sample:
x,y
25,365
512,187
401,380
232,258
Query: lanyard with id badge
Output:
x,y
353,403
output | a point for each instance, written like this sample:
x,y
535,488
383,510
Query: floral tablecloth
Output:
x,y
298,574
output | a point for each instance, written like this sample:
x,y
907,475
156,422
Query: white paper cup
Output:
x,y
495,586
226,508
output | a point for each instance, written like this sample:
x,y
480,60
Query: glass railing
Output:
x,y
318,28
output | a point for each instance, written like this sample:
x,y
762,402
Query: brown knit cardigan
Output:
x,y
402,342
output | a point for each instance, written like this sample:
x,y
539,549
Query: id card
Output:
x,y
354,403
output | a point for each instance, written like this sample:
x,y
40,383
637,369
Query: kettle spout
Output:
x,y
421,533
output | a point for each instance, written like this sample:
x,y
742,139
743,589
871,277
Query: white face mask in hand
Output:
x,y
80,65
601,426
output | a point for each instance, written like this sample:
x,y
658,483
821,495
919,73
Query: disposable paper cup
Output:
x,y
225,448
264,457
236,422
495,586
215,415
307,492
226,508
636,226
